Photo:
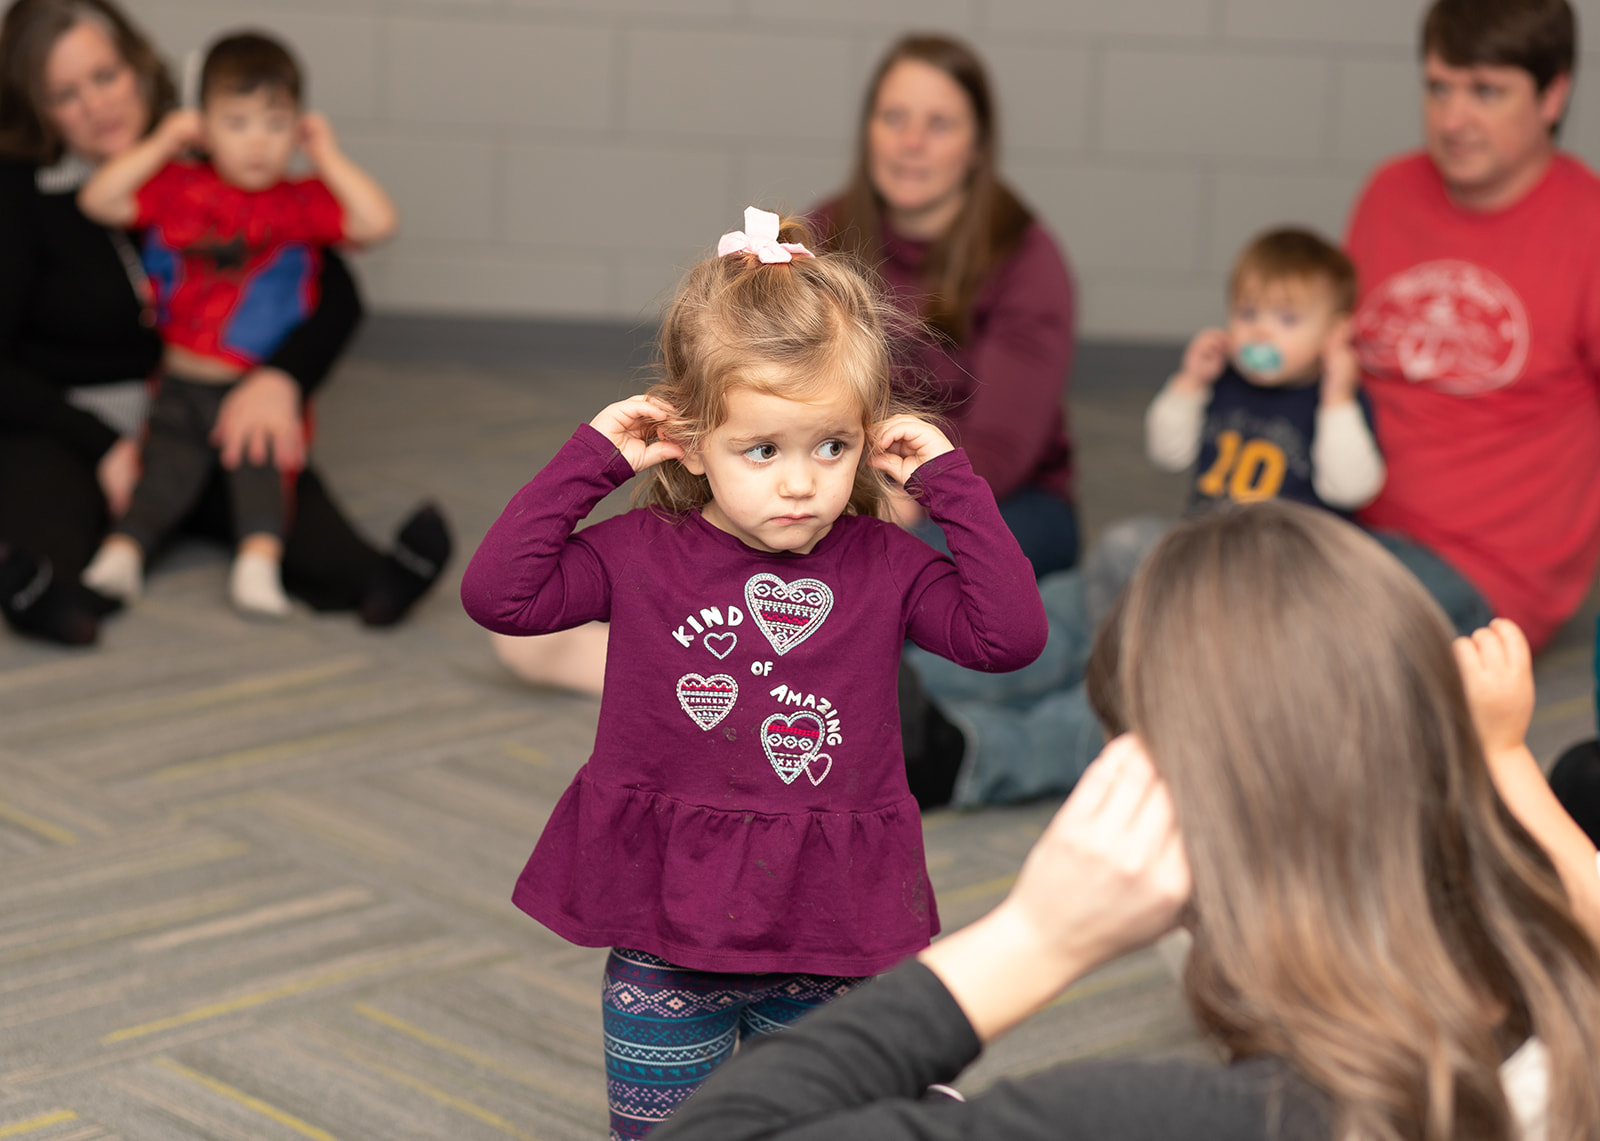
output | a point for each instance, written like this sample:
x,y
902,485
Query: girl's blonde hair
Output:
x,y
1366,906
798,329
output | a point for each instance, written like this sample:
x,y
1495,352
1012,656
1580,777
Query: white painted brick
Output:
x,y
1377,22
1222,105
619,198
499,74
1151,310
738,84
645,287
1379,110
463,5
1581,131
946,15
1246,204
791,178
1102,17
494,286
338,52
443,189
370,268
655,8
1043,96
1114,219
1588,12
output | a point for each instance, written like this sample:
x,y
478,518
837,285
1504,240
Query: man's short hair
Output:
x,y
247,62
1279,257
1539,36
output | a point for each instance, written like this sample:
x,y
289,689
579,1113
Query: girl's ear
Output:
x,y
691,460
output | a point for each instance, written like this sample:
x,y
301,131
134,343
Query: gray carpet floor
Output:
x,y
257,876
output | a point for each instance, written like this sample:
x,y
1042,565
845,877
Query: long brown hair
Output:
x,y
794,329
992,220
1367,908
31,28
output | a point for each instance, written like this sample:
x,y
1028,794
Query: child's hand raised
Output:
x,y
1341,368
317,138
906,443
1497,670
180,129
1203,360
631,425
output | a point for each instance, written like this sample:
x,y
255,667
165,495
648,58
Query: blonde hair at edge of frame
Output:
x,y
1366,907
799,330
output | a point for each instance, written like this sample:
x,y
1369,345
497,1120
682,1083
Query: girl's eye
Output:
x,y
831,449
107,76
1289,320
1245,313
761,452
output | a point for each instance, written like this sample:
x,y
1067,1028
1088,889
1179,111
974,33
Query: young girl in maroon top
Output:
x,y
743,834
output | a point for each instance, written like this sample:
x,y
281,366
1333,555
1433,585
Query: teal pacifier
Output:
x,y
1261,358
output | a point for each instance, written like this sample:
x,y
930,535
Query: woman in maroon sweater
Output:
x,y
961,254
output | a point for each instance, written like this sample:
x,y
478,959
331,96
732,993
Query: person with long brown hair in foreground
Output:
x,y
1394,925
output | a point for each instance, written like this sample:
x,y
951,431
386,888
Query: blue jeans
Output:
x,y
1458,598
1030,733
1045,527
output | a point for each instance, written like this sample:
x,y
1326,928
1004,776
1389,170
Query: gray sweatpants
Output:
x,y
178,461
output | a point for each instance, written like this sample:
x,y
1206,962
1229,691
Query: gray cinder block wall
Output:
x,y
563,158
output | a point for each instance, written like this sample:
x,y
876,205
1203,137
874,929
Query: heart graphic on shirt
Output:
x,y
720,644
792,742
707,699
787,612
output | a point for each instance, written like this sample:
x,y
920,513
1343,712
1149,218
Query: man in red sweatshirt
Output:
x,y
1479,324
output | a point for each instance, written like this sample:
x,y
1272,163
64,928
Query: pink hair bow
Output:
x,y
760,237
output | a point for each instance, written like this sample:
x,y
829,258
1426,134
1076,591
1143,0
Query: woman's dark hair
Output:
x,y
992,220
31,28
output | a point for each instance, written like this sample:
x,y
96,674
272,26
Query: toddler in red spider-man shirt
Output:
x,y
232,254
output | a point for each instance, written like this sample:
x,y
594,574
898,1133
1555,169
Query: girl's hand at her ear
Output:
x,y
631,425
1497,670
906,443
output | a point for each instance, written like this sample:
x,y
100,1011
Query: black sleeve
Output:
x,y
28,404
308,352
857,1071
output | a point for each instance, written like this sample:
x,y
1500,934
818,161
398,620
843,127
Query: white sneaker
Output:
x,y
117,570
256,587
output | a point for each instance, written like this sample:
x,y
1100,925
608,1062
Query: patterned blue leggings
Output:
x,y
667,1028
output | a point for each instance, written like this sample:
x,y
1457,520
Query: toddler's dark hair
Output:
x,y
1292,254
246,62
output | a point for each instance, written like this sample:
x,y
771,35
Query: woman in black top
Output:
x,y
1394,923
78,84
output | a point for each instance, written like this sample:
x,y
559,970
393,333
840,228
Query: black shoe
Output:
x,y
36,603
934,746
1576,782
420,552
